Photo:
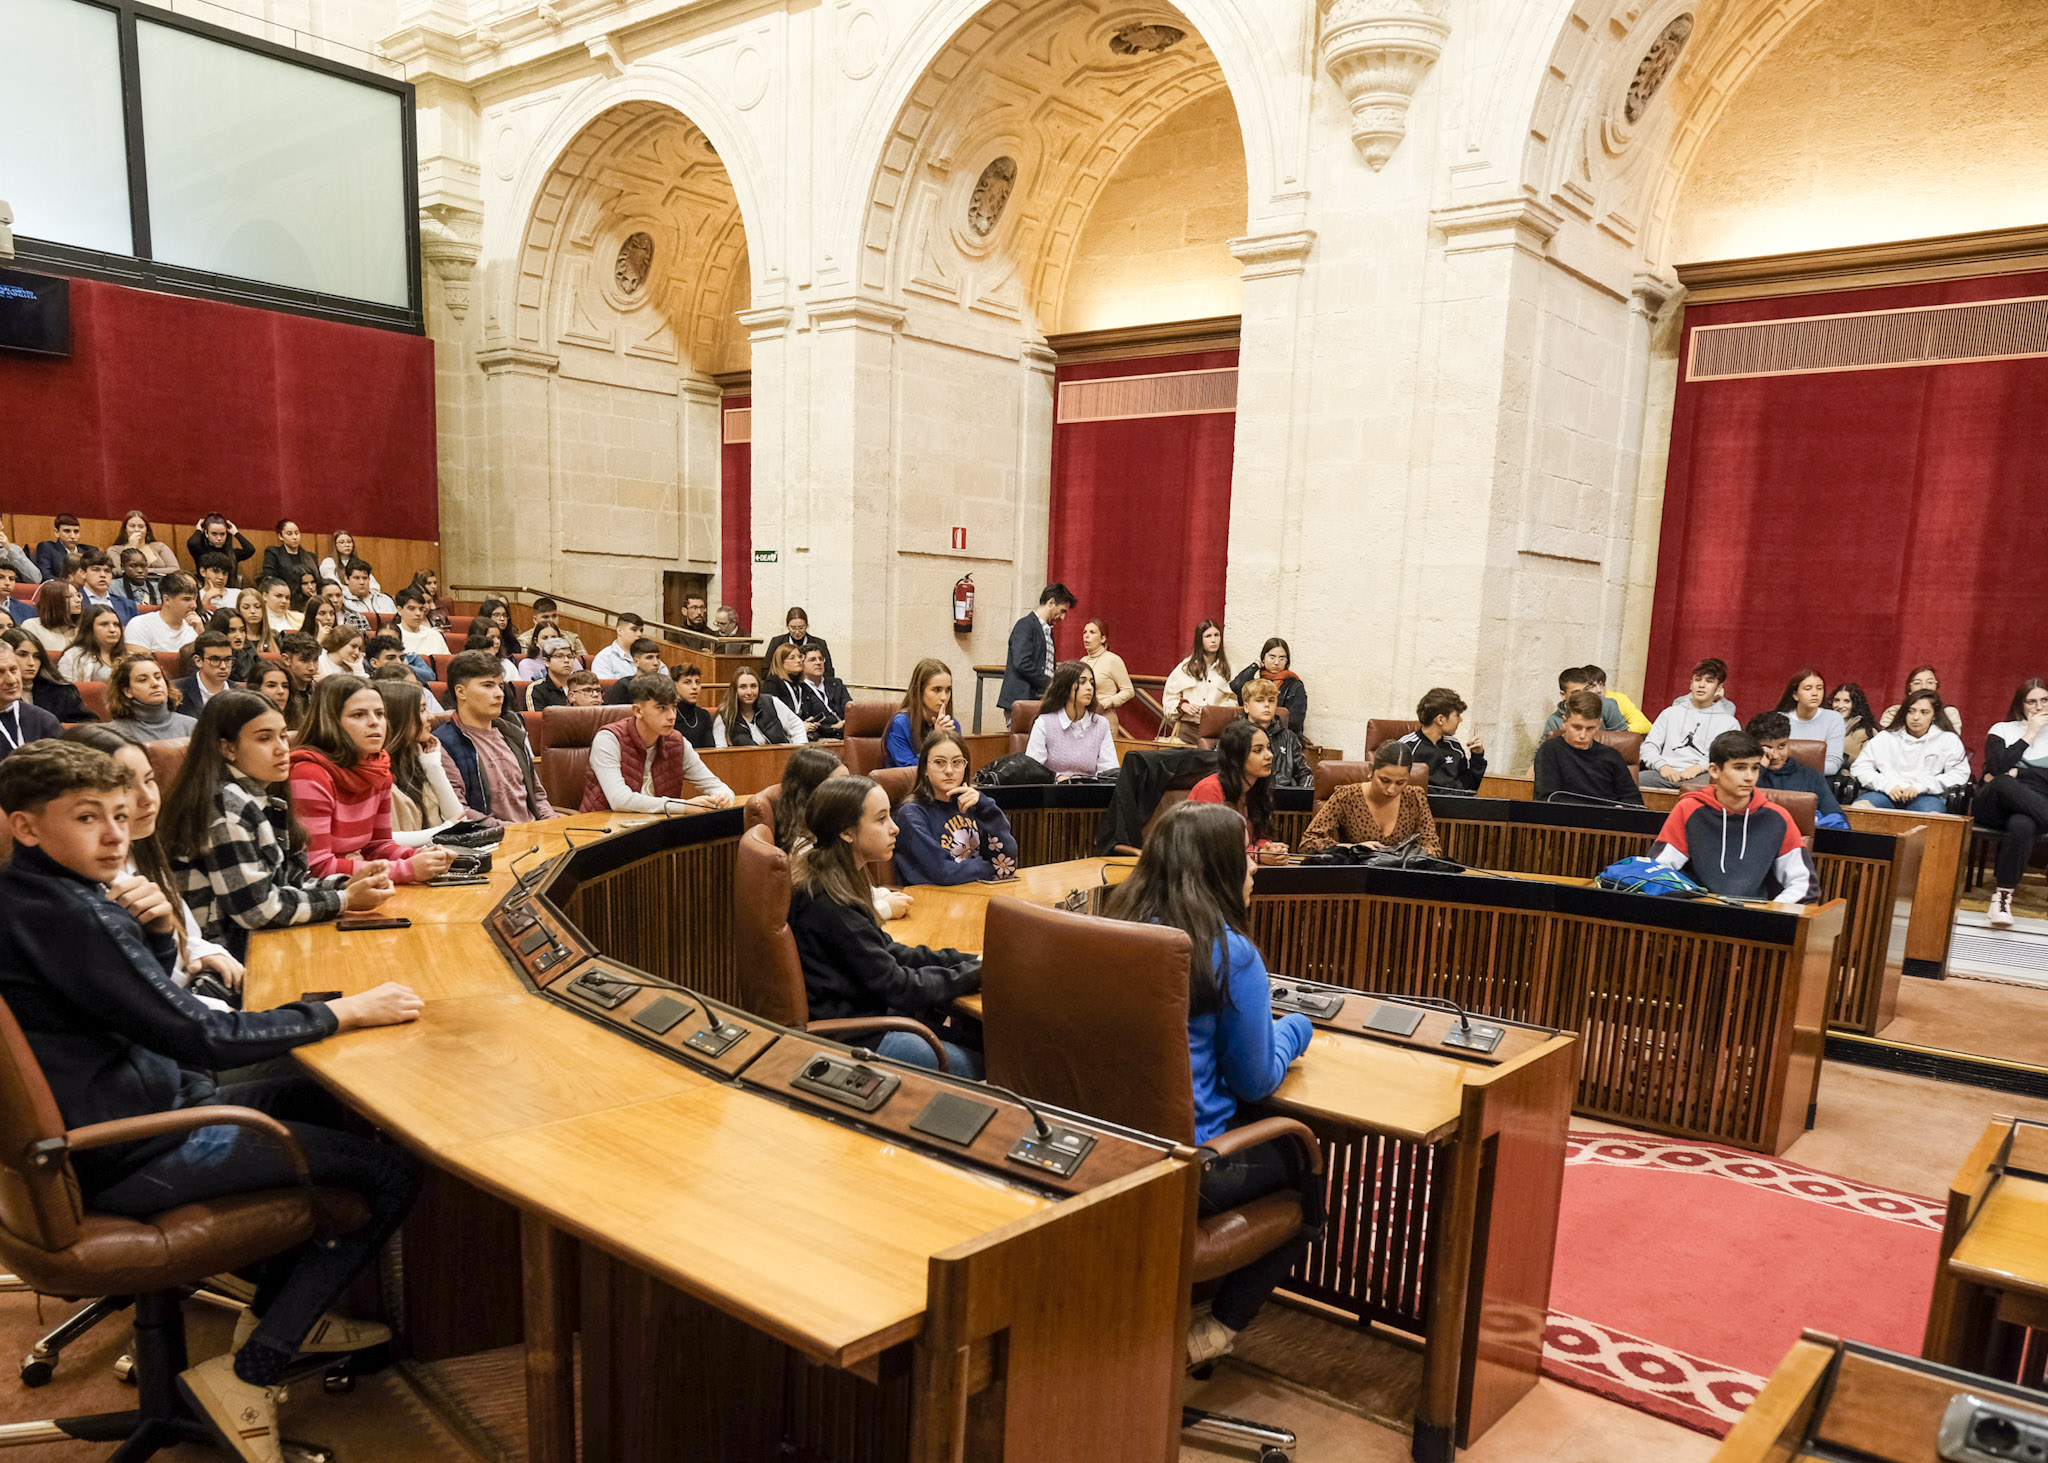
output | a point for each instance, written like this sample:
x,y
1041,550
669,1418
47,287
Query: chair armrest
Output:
x,y
187,1120
1236,1140
849,1024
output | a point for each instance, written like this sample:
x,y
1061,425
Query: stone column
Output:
x,y
777,454
518,471
699,458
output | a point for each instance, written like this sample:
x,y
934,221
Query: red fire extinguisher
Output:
x,y
963,603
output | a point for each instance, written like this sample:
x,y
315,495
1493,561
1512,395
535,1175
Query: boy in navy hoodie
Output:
x,y
1773,730
1732,838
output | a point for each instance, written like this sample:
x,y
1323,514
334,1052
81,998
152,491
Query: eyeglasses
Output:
x,y
217,660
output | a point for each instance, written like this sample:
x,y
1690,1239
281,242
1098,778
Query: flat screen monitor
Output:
x,y
35,313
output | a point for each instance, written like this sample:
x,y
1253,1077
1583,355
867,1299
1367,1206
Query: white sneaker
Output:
x,y
2001,909
243,1417
331,1334
1208,1339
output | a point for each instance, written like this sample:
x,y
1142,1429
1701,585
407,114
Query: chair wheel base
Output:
x,y
1272,1455
37,1373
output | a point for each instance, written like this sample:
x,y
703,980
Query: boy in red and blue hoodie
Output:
x,y
1733,839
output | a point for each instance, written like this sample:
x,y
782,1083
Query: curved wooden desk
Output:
x,y
1446,1170
715,1239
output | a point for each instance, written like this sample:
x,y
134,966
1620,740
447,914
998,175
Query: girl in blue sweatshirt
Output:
x,y
952,833
1194,876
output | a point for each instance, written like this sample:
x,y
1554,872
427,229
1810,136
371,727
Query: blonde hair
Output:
x,y
1258,688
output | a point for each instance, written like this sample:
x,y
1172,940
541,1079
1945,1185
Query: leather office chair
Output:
x,y
173,663
458,630
94,694
1803,806
1812,752
563,748
867,722
167,759
1091,1014
1378,732
1332,775
1022,715
1628,743
59,1247
896,781
770,974
1213,720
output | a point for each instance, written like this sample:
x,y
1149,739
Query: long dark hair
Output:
x,y
829,868
2019,697
193,803
505,641
1859,705
1060,689
767,721
806,771
1253,795
1940,722
1191,877
1791,697
148,853
1198,658
921,676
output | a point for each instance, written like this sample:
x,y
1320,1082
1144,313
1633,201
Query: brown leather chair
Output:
x,y
1022,714
1378,732
1213,720
60,1247
563,749
770,974
1628,743
167,760
457,631
1814,753
1091,1015
1803,806
94,695
174,663
1332,775
760,809
867,722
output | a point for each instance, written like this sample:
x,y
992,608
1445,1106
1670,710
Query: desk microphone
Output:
x,y
1442,1004
517,877
569,836
865,1054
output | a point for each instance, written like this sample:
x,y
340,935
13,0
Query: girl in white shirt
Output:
x,y
341,653
1200,681
1912,765
96,649
331,567
1068,736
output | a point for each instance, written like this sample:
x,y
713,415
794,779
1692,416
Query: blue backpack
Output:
x,y
1647,876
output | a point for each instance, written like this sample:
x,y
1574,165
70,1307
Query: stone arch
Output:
x,y
1039,91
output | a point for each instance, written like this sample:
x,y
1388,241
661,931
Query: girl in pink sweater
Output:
x,y
341,787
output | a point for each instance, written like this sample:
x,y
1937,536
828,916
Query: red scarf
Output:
x,y
369,778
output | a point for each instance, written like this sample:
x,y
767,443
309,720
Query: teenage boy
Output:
x,y
1029,662
382,650
213,661
585,689
1577,762
301,656
215,593
96,584
547,625
484,749
175,624
1773,730
1596,682
551,686
134,584
20,723
695,723
1731,837
1573,678
1451,763
646,662
52,552
1260,699
615,661
419,638
1675,751
360,601
88,953
640,763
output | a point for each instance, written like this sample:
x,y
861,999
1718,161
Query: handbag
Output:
x,y
1018,769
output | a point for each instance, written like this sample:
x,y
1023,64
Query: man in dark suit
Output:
x,y
52,552
1027,668
824,697
20,723
213,661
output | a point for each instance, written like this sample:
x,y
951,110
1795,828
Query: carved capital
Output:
x,y
450,241
1511,223
1268,256
1650,292
517,360
856,312
769,323
1378,51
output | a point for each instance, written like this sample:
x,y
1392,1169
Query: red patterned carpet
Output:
x,y
1685,1271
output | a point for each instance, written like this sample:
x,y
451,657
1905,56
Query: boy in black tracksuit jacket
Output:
x,y
1731,838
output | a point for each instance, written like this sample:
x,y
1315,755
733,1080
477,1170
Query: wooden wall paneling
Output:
x,y
693,944
1944,860
393,560
461,1270
548,1275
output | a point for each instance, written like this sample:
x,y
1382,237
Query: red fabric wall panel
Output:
x,y
736,521
1862,522
182,407
1141,519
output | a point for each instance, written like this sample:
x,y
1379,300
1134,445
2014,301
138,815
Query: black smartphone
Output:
x,y
319,995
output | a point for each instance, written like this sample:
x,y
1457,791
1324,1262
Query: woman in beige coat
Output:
x,y
1112,680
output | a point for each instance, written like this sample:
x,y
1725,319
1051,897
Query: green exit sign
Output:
x,y
764,556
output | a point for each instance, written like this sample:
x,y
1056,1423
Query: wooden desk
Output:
x,y
1989,1310
1876,874
715,1240
1835,1399
1446,1174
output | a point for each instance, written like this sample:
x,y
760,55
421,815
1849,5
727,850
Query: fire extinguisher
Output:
x,y
963,603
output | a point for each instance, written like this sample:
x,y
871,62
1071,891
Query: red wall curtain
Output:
x,y
183,407
1861,522
736,513
1141,519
